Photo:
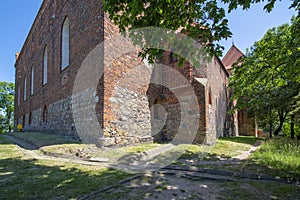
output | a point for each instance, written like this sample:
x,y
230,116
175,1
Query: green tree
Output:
x,y
6,106
294,61
265,82
210,17
206,20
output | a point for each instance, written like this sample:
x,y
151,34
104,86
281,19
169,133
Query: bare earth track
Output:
x,y
195,181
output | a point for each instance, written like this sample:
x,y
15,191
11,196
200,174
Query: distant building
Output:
x,y
244,124
231,57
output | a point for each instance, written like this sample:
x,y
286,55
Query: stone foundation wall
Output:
x,y
86,32
200,91
217,99
167,116
123,99
58,120
131,122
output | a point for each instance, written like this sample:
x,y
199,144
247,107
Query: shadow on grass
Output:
x,y
38,139
31,179
273,168
242,139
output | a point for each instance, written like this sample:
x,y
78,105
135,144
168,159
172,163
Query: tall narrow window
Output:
x,y
45,67
65,44
19,93
24,89
30,118
45,115
32,81
24,120
209,97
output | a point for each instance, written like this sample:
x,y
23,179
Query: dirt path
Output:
x,y
177,182
246,154
31,151
172,184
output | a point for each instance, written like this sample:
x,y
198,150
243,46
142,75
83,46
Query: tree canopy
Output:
x,y
266,80
6,106
269,76
205,19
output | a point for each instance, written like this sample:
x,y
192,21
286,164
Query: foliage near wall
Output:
x,y
6,106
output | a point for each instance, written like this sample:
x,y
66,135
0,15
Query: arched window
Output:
x,y
19,94
30,118
24,96
45,67
32,81
65,44
24,120
209,97
45,114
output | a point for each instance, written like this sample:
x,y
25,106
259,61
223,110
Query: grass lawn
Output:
x,y
22,177
278,156
225,147
43,139
244,190
25,178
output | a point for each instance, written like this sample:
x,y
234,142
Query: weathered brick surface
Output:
x,y
217,108
86,31
246,124
213,79
243,124
123,96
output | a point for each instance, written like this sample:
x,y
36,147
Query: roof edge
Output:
x,y
41,9
233,46
222,66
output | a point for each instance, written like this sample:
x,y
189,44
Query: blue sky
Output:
x,y
17,17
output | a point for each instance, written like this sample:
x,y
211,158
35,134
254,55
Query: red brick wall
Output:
x,y
86,32
89,27
246,124
212,114
217,83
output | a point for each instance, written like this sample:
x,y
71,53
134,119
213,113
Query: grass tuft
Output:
x,y
280,154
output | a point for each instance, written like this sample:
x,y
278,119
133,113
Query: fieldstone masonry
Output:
x,y
125,105
86,31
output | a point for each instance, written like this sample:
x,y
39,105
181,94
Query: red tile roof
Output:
x,y
231,57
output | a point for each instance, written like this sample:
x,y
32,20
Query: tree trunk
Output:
x,y
9,128
292,126
278,129
282,117
270,123
8,122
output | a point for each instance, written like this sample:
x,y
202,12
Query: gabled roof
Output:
x,y
231,57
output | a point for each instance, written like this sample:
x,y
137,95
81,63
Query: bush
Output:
x,y
286,129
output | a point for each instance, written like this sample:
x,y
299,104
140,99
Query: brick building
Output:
x,y
244,125
63,34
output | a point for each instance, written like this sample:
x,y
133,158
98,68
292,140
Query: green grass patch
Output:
x,y
43,139
277,191
280,154
88,151
243,190
241,139
225,147
25,178
8,150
